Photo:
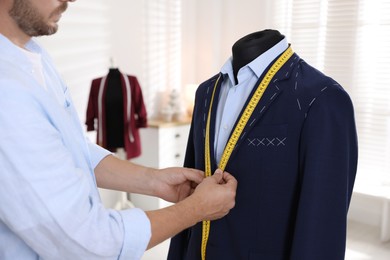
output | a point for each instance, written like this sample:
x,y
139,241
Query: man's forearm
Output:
x,y
116,174
169,221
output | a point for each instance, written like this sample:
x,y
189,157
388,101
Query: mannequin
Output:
x,y
114,110
295,159
252,46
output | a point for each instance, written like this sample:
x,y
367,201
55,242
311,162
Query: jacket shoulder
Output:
x,y
311,84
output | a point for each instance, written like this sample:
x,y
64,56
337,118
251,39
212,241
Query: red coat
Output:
x,y
134,114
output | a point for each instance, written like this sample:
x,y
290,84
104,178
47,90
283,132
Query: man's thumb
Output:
x,y
218,175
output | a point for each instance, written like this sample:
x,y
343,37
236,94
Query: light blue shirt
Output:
x,y
233,97
49,203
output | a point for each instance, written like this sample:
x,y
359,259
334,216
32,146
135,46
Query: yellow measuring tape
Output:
x,y
237,131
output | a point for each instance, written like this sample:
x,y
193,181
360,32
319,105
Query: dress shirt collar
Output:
x,y
14,53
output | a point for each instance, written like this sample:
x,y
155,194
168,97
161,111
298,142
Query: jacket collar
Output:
x,y
273,90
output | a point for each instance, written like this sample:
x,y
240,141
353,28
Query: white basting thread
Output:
x,y
312,102
261,111
299,104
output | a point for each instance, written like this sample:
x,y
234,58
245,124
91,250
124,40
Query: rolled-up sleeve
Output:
x,y
97,153
136,239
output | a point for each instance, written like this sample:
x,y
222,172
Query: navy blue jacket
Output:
x,y
295,163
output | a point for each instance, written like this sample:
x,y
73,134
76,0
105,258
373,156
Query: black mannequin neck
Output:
x,y
252,46
113,71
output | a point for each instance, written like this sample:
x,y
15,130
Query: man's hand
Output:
x,y
176,183
215,196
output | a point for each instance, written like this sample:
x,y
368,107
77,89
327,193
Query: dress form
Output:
x,y
252,46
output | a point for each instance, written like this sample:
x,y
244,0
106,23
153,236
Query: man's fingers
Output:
x,y
229,180
194,175
218,176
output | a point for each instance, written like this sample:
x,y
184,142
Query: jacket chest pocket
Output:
x,y
270,143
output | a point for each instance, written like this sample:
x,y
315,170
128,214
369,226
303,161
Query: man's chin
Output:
x,y
44,32
52,30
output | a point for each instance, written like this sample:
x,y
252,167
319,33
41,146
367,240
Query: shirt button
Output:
x,y
225,127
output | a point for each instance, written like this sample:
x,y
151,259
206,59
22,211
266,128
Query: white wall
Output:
x,y
127,27
210,28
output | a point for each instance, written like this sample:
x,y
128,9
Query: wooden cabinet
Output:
x,y
163,145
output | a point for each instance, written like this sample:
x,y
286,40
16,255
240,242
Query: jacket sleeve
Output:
x,y
140,109
328,161
91,108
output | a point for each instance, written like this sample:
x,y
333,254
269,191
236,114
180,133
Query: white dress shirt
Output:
x,y
49,203
233,97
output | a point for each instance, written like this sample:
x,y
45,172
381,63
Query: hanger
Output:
x,y
112,63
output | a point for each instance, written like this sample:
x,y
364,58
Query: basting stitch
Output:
x,y
261,142
271,141
262,109
273,96
324,89
299,104
252,142
312,102
296,84
252,122
281,141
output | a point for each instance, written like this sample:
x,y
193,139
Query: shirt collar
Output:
x,y
31,45
258,65
14,54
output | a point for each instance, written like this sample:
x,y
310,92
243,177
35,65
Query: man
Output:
x,y
50,206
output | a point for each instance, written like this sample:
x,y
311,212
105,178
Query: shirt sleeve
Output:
x,y
97,153
48,198
137,228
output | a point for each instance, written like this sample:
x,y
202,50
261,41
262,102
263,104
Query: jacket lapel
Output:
x,y
208,98
270,95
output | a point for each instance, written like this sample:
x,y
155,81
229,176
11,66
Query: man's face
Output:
x,y
37,17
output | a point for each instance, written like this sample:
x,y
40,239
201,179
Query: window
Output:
x,y
349,40
162,50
